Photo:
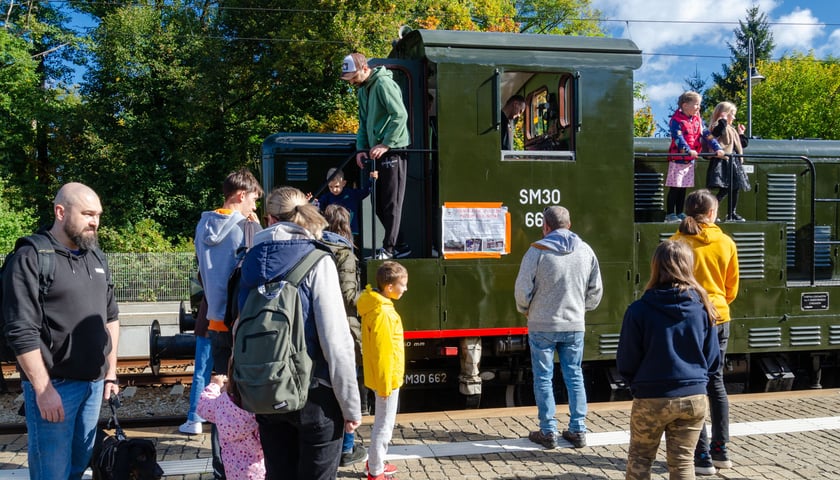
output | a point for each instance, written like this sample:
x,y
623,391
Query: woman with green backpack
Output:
x,y
302,442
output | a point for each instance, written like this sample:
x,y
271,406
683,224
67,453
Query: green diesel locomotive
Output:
x,y
472,210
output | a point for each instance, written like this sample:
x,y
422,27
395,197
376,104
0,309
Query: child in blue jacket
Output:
x,y
667,349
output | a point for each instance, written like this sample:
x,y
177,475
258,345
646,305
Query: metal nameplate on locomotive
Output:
x,y
815,301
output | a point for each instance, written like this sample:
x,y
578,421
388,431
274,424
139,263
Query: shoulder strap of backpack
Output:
x,y
46,259
303,266
100,256
249,229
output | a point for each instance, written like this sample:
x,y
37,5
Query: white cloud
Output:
x,y
831,47
682,38
670,26
665,93
798,31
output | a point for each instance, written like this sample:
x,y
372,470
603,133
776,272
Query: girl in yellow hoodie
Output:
x,y
383,355
716,269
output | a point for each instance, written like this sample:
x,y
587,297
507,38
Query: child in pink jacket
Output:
x,y
239,436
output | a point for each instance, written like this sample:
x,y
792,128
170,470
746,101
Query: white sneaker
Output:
x,y
383,254
190,428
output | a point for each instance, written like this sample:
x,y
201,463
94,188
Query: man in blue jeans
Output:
x,y
65,380
559,280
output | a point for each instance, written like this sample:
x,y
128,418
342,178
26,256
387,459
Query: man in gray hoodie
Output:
x,y
559,280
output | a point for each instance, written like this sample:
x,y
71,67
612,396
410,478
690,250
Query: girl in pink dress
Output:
x,y
687,132
239,435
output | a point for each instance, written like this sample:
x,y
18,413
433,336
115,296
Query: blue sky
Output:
x,y
680,38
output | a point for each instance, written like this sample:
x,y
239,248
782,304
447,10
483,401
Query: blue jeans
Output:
x,y
347,443
201,374
63,450
569,347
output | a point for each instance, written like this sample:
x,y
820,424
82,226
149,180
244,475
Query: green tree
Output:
x,y
731,83
19,95
15,221
144,237
37,52
800,98
643,121
149,110
558,17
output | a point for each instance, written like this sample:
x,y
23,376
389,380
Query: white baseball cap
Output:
x,y
351,64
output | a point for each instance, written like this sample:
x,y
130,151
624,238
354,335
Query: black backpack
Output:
x,y
46,274
272,370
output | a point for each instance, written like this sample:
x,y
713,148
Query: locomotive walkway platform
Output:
x,y
783,435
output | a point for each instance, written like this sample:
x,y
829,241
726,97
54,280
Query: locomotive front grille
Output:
x,y
834,335
751,247
765,337
297,170
822,251
649,194
781,207
608,343
805,336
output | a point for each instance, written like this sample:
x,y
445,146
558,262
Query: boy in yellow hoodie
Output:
x,y
383,355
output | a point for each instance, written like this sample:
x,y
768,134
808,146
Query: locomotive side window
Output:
x,y
547,133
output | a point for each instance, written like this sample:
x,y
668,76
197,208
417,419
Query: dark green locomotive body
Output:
x,y
576,149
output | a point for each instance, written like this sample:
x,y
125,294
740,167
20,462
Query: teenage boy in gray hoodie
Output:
x,y
559,280
219,239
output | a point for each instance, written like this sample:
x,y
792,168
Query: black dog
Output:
x,y
118,458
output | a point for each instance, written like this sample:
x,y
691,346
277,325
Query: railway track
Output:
x,y
131,372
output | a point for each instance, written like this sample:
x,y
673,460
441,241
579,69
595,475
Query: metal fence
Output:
x,y
150,277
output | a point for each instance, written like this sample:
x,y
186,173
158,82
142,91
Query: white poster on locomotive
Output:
x,y
475,230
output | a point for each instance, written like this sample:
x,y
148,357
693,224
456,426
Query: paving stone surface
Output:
x,y
810,454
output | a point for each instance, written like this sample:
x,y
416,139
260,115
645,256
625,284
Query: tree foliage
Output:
x,y
731,83
179,93
800,98
15,221
37,53
558,17
644,124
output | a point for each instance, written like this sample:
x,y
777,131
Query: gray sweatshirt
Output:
x,y
559,280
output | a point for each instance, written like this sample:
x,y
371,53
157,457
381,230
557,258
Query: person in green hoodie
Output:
x,y
383,127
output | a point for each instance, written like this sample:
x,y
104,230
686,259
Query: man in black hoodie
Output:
x,y
66,342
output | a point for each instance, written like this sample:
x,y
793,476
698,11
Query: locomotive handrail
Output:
x,y
373,189
813,200
352,156
372,163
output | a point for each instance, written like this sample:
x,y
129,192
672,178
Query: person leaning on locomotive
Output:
x,y
513,109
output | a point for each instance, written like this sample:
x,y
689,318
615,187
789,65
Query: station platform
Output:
x,y
780,435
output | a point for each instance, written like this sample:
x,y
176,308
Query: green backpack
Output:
x,y
272,370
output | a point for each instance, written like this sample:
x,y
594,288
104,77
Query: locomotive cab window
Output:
x,y
545,131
